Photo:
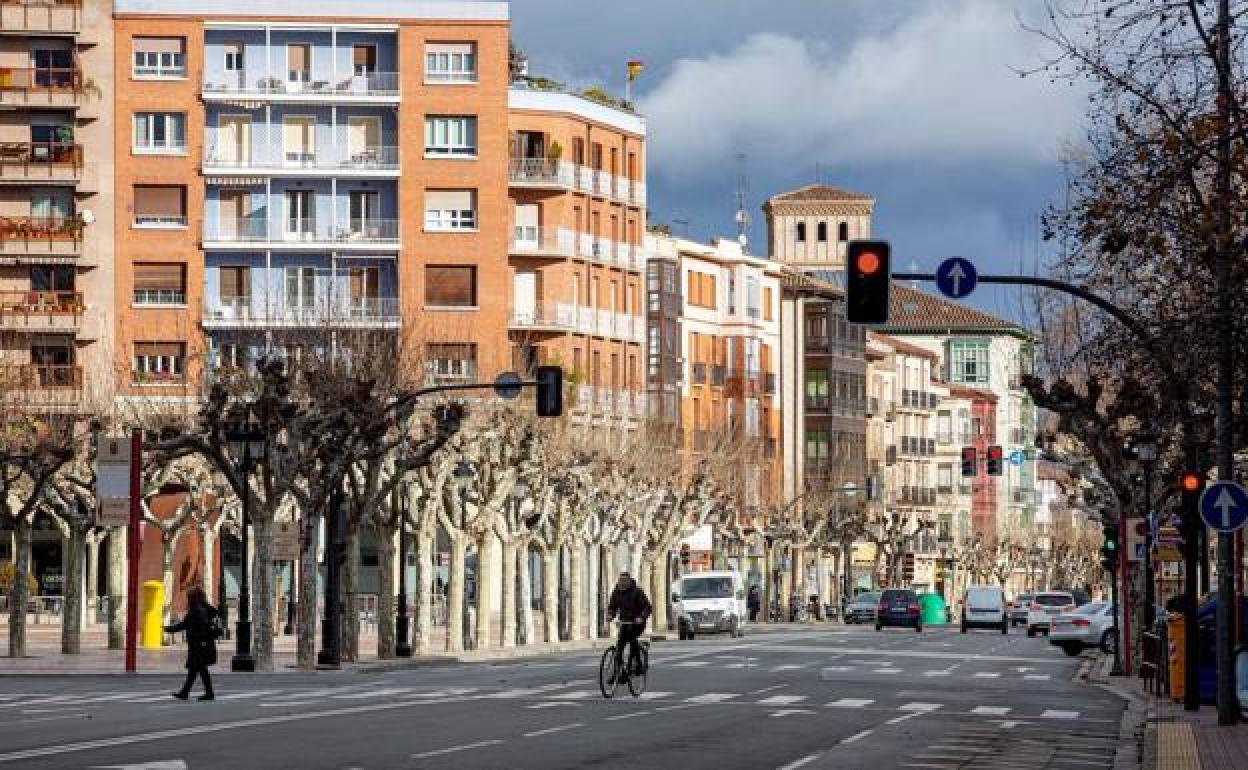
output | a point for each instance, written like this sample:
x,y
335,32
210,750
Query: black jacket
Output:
x,y
755,599
632,604
201,644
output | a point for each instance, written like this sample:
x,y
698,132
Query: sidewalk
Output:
x,y
1167,737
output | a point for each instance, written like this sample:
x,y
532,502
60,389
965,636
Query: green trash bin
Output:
x,y
932,609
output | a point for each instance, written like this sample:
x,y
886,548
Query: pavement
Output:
x,y
821,696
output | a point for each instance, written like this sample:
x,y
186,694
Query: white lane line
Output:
x,y
899,720
374,693
789,712
550,704
938,672
655,695
1036,677
919,707
277,704
575,695
886,671
443,693
1059,714
79,715
838,668
857,736
789,667
244,695
713,697
995,711
851,703
453,749
806,760
781,700
677,707
550,730
692,663
768,689
986,674
54,710
618,717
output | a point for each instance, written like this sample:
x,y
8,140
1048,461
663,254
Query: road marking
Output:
x,y
986,674
899,720
575,695
838,668
618,717
677,707
78,715
995,711
768,689
692,663
938,672
373,693
280,704
806,760
1008,723
1059,714
550,730
243,695
654,695
712,697
851,703
442,693
453,749
919,707
857,736
53,710
1037,677
550,704
781,700
789,712
789,667
886,671
872,662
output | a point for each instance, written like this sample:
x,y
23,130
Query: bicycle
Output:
x,y
608,669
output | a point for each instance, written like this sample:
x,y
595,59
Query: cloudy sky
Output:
x,y
918,102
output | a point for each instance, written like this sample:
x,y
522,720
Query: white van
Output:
x,y
709,602
984,607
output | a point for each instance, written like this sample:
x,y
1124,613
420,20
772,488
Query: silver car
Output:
x,y
862,608
1092,625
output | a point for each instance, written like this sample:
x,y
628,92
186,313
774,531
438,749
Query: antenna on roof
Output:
x,y
743,218
914,268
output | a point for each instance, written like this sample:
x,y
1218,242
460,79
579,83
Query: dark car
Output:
x,y
898,607
862,608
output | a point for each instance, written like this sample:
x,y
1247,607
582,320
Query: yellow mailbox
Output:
x,y
151,627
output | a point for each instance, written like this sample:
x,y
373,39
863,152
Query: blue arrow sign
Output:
x,y
1224,506
1017,457
956,277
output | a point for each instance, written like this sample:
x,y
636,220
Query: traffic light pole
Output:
x,y
1113,592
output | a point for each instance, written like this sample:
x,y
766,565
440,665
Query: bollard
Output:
x,y
150,624
1176,645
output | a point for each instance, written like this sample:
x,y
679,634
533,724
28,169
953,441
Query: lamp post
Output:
x,y
402,647
330,655
1146,449
463,473
246,441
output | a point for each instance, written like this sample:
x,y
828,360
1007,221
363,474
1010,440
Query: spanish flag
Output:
x,y
635,68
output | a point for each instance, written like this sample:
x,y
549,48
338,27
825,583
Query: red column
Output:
x,y
133,550
1124,594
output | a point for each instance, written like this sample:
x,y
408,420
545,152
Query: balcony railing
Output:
x,y
39,376
40,302
243,311
308,231
53,235
159,297
40,160
32,16
159,222
304,88
548,172
378,158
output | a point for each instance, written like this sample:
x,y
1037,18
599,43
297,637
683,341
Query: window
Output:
x,y
451,361
158,362
451,286
968,362
300,287
751,299
451,136
364,59
300,213
159,132
701,289
821,232
365,209
159,206
366,289
159,57
231,355
233,63
52,278
450,63
159,283
453,210
235,286
299,63
801,232
817,446
768,312
842,231
816,388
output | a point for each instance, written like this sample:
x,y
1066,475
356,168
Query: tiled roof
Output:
x,y
905,348
818,193
974,394
911,310
805,282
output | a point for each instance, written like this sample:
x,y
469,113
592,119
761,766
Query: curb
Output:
x,y
1137,729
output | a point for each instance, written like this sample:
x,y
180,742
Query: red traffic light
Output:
x,y
1192,481
868,263
995,453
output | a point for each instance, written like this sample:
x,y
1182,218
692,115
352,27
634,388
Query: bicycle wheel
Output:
x,y
637,682
607,672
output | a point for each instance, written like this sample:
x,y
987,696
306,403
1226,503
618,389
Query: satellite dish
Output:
x,y
88,217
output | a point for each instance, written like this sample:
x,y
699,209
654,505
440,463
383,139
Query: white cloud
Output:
x,y
939,86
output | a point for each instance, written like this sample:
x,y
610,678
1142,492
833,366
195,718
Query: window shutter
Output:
x,y
450,285
448,200
159,44
165,201
159,349
162,276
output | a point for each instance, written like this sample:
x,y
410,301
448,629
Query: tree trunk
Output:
x,y
207,563
71,622
117,588
305,644
455,595
262,592
18,592
385,592
594,564
350,597
507,610
576,590
93,568
786,586
167,545
641,574
550,592
524,579
658,593
421,627
485,580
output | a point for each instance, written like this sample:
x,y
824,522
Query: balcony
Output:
x,y
159,297
566,318
302,234
551,174
719,375
340,312
41,385
50,236
365,162
890,455
40,311
370,88
698,374
609,402
532,241
58,17
40,162
41,87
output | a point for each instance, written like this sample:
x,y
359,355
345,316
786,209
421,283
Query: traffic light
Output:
x,y
549,391
867,279
684,554
1110,548
996,460
1191,485
970,462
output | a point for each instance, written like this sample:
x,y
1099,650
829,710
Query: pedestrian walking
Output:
x,y
754,602
203,628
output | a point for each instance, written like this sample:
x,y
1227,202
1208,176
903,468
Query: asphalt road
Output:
x,y
832,696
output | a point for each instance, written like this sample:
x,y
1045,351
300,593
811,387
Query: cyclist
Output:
x,y
633,607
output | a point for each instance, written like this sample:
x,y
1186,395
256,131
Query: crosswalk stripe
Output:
x,y
1059,714
886,671
712,697
789,667
1037,677
373,693
575,695
851,703
781,700
921,707
838,668
986,674
443,692
937,672
690,663
244,695
996,711
655,695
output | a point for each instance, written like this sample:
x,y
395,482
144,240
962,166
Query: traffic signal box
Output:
x,y
1191,485
549,391
867,277
970,462
996,461
1110,548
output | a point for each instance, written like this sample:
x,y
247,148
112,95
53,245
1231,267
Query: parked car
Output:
x,y
1044,607
862,608
984,607
1091,625
1018,609
898,607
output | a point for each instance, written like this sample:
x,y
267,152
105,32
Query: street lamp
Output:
x,y
402,647
246,441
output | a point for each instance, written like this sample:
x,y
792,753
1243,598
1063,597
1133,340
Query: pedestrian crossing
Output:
x,y
790,705
884,668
